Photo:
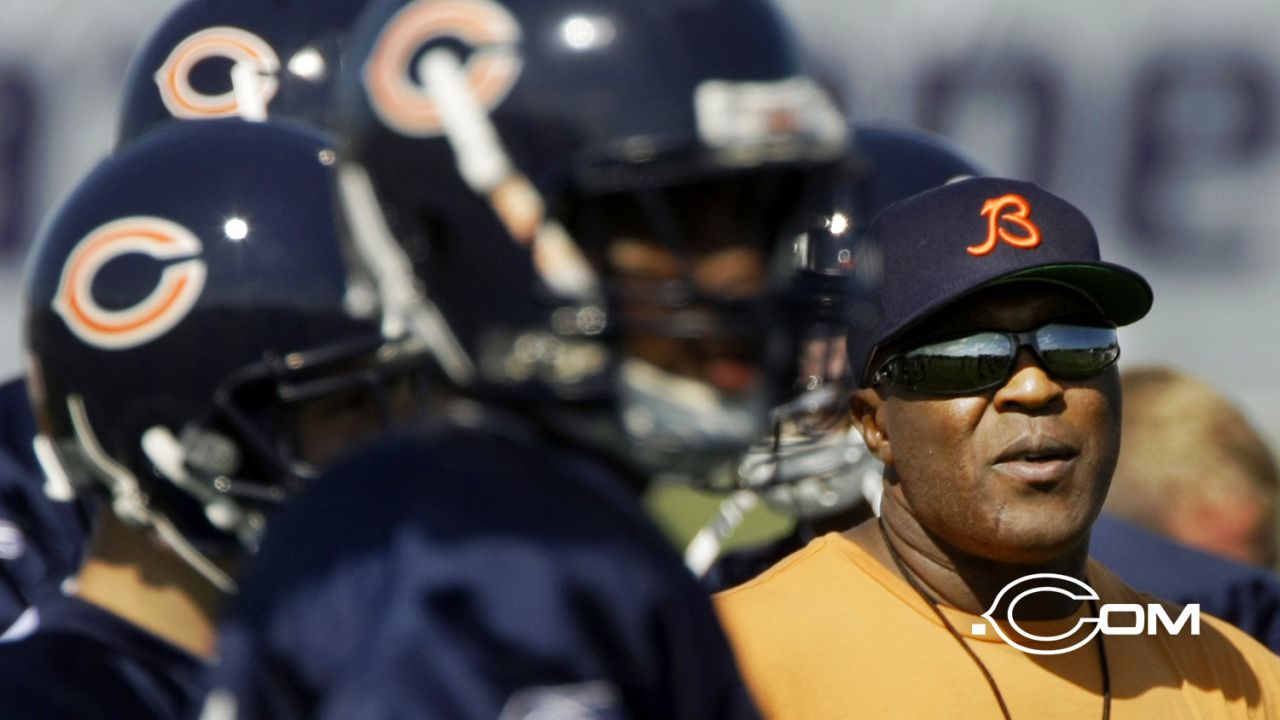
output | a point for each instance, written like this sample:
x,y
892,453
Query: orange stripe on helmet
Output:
x,y
170,299
228,42
164,307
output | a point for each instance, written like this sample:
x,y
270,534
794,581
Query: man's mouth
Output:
x,y
1037,459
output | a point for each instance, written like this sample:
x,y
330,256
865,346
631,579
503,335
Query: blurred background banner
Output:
x,y
62,64
1161,119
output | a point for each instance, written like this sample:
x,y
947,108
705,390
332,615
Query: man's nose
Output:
x,y
1029,387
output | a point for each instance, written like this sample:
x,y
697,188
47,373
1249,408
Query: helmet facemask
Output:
x,y
695,288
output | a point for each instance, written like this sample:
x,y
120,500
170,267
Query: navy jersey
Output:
x,y
17,426
462,574
1243,595
80,662
41,540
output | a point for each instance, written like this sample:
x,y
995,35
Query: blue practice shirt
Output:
x,y
78,661
463,573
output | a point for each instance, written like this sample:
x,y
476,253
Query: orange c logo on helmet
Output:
x,y
1008,208
492,67
164,307
234,44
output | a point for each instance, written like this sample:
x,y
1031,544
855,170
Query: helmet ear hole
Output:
x,y
211,452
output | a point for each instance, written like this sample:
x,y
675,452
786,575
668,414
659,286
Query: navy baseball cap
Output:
x,y
948,242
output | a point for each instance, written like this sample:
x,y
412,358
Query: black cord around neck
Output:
x,y
991,681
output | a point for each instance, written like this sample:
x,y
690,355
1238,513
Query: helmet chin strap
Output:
x,y
127,501
57,484
129,504
192,557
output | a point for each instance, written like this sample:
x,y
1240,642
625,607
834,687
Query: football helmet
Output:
x,y
213,59
813,463
509,146
185,308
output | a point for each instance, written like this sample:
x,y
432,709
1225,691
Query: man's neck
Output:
x,y
132,575
963,581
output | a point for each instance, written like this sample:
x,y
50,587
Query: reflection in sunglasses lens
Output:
x,y
984,360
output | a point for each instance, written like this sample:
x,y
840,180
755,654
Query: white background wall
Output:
x,y
1161,118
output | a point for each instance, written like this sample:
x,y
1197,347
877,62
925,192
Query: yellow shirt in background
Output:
x,y
831,633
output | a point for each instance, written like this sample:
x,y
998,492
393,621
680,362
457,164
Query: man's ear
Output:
x,y
866,406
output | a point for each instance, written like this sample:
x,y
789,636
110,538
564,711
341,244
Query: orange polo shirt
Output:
x,y
829,632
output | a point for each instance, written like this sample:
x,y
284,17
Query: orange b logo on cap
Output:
x,y
1010,208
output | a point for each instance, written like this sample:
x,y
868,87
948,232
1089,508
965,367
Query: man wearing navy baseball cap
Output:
x,y
988,389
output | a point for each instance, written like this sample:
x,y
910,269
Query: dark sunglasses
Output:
x,y
984,360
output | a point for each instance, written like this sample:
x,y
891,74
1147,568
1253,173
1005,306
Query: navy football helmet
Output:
x,y
185,310
238,58
506,146
813,463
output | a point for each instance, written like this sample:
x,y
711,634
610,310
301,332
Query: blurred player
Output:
x,y
1180,439
208,59
1192,467
199,347
592,194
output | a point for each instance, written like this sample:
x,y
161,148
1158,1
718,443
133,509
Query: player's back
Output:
x,y
474,573
76,661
